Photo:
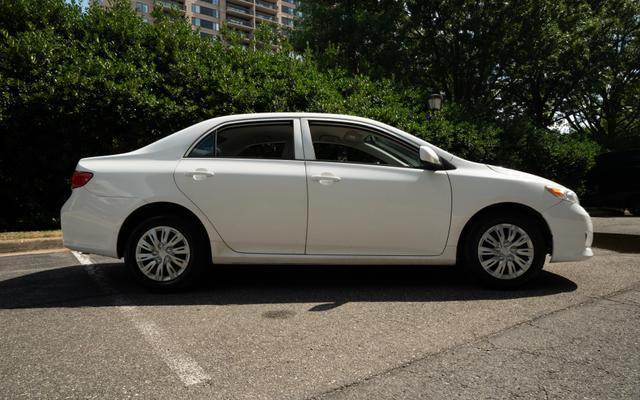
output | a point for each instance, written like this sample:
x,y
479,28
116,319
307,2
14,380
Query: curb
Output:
x,y
22,245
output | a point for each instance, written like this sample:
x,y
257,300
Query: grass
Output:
x,y
29,235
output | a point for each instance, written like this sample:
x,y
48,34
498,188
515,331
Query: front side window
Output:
x,y
273,140
352,144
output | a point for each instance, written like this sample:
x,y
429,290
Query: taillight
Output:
x,y
80,178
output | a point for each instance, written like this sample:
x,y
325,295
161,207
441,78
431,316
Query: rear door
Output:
x,y
249,179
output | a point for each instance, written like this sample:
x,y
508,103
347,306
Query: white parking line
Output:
x,y
82,258
187,369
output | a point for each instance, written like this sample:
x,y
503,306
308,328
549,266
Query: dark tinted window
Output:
x,y
261,141
352,144
204,149
342,153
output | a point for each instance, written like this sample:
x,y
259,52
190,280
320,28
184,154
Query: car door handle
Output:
x,y
200,174
325,178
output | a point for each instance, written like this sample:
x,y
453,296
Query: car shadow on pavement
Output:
x,y
331,286
619,242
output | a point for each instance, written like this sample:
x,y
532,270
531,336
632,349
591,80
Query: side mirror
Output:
x,y
430,157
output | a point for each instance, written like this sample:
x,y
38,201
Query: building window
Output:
x,y
287,21
203,23
215,2
287,10
142,8
204,10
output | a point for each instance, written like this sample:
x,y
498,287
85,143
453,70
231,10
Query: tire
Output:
x,y
171,242
510,264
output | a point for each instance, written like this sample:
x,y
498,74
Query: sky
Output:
x,y
84,3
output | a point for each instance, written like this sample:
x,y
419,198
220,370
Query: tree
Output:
x,y
363,37
606,104
546,59
75,84
573,63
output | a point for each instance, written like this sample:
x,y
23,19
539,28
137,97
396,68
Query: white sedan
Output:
x,y
303,188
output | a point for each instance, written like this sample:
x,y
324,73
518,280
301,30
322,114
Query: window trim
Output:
x,y
297,139
310,151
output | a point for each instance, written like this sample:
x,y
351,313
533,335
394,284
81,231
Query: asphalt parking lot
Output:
x,y
80,328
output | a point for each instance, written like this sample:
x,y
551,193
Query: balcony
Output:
x,y
266,17
288,22
266,6
241,3
233,9
245,36
171,4
239,22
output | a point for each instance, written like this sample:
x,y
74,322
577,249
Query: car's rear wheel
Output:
x,y
505,251
165,253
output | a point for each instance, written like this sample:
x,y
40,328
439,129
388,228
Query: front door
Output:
x,y
369,196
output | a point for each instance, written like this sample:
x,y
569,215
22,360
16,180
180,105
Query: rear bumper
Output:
x,y
572,232
91,223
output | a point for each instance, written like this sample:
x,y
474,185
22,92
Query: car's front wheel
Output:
x,y
505,251
165,253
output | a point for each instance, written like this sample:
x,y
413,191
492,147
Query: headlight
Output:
x,y
564,194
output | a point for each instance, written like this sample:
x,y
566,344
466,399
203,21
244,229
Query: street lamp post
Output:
x,y
434,102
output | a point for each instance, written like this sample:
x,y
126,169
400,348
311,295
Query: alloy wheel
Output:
x,y
505,251
162,253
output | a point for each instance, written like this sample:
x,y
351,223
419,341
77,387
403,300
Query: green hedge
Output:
x,y
75,84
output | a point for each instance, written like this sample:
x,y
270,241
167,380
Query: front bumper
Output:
x,y
572,232
91,223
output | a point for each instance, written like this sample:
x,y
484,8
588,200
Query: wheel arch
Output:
x,y
506,208
155,209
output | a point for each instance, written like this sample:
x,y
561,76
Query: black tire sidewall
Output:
x,y
531,227
196,259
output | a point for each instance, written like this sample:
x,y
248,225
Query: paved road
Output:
x,y
85,331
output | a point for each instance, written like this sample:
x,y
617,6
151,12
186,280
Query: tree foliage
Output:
x,y
76,83
548,63
606,104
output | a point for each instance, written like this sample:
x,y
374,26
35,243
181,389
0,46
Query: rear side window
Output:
x,y
269,140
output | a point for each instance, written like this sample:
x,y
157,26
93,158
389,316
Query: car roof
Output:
x,y
176,144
